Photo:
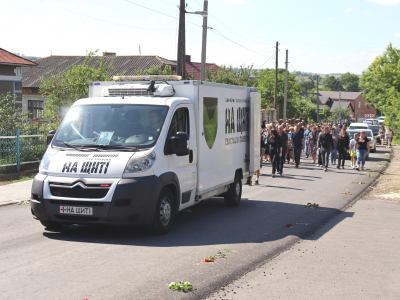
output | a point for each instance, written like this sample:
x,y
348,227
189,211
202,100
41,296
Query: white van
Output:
x,y
358,126
139,152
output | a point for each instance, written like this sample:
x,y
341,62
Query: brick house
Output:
x,y
11,74
194,68
355,101
33,101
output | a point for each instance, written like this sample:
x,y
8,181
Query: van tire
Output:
x,y
234,194
51,225
165,212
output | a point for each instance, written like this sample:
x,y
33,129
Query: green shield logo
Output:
x,y
210,120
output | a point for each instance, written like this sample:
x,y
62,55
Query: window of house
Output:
x,y
35,90
34,108
359,104
359,116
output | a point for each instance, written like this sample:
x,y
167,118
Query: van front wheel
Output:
x,y
234,194
165,212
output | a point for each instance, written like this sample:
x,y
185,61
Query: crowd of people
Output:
x,y
325,144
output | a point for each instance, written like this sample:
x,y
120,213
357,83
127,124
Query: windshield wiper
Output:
x,y
109,147
76,147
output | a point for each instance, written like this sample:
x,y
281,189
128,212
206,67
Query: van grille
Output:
x,y
76,203
78,192
129,92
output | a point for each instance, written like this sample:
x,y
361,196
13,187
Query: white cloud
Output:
x,y
386,2
329,19
397,34
231,1
349,10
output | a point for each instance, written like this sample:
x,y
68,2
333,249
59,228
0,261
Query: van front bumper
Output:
x,y
134,202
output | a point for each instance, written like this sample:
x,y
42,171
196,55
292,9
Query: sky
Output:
x,y
321,36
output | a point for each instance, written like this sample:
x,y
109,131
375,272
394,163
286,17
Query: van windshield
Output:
x,y
358,126
111,125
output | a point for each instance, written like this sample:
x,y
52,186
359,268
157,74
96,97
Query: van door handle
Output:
x,y
190,156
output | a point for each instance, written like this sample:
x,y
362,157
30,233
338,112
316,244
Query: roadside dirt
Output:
x,y
388,187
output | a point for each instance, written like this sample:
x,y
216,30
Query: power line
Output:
x,y
110,22
159,12
267,60
220,34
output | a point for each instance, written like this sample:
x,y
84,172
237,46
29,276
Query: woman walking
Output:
x,y
313,144
389,136
353,155
275,150
335,137
382,134
342,146
362,146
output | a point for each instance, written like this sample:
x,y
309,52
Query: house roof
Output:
x,y
52,65
343,105
9,58
194,68
323,100
344,95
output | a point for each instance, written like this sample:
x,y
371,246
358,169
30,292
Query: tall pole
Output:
x,y
276,77
181,55
317,101
204,44
340,98
285,95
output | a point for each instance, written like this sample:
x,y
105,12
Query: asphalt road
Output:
x,y
98,262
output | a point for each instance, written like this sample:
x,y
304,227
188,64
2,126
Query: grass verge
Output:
x,y
22,178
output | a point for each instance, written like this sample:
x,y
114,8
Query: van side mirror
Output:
x,y
50,136
179,142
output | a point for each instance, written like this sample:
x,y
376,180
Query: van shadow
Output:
x,y
212,223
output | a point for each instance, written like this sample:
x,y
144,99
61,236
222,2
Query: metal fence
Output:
x,y
21,149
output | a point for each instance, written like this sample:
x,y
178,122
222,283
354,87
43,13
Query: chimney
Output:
x,y
188,58
109,54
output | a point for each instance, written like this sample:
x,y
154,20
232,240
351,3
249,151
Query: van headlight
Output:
x,y
140,164
45,162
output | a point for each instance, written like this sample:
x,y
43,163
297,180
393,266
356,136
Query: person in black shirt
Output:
x,y
297,139
325,146
343,146
362,146
285,148
275,150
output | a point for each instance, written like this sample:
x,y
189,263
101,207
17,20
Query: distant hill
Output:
x,y
31,58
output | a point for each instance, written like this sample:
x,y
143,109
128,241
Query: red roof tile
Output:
x,y
9,58
194,69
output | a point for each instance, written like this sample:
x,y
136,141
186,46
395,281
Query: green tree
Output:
x,y
344,114
382,80
333,84
265,83
302,107
350,82
307,84
64,89
11,117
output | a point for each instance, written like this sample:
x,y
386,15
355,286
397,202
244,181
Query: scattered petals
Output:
x,y
289,225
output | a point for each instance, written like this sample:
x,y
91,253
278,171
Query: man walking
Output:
x,y
297,139
285,148
306,134
325,146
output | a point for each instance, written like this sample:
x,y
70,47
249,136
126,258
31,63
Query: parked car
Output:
x,y
371,121
375,130
356,126
368,133
381,120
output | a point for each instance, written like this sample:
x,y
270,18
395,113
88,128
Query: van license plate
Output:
x,y
72,210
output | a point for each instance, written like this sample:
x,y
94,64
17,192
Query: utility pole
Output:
x,y
181,59
285,95
204,43
140,51
276,77
317,102
340,98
